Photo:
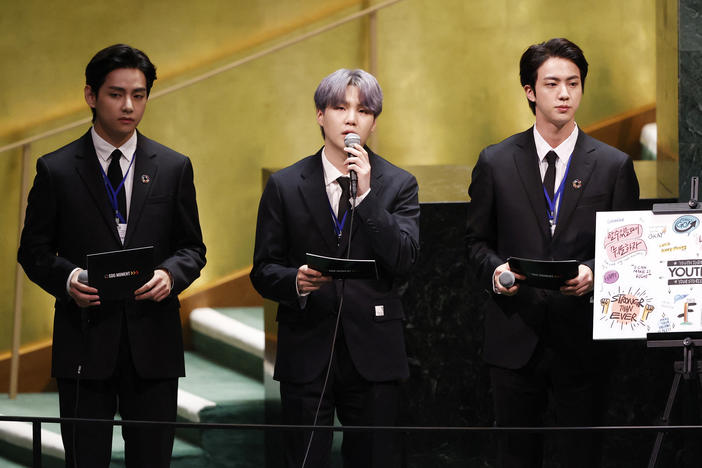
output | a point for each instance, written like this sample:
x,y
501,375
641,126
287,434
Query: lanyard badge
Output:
x,y
551,210
112,193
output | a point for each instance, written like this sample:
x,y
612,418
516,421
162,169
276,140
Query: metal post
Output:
x,y
19,278
36,444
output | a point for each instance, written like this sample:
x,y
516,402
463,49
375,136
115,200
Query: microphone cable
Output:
x,y
75,415
336,332
84,329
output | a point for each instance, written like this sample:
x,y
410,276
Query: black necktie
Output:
x,y
550,177
114,174
344,182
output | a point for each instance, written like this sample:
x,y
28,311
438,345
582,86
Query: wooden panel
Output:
x,y
646,173
624,130
34,368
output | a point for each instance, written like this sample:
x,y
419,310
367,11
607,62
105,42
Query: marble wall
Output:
x,y
689,93
678,95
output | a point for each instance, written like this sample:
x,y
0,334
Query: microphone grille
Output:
x,y
506,279
351,139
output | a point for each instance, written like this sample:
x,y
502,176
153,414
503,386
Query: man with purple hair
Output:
x,y
340,342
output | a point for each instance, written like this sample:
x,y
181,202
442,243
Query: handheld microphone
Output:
x,y
83,277
349,140
506,279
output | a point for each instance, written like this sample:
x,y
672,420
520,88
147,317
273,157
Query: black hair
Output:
x,y
537,54
114,57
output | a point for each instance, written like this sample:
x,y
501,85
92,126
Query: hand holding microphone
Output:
x,y
80,291
505,280
358,159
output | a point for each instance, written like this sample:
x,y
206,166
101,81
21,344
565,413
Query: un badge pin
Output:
x,y
577,183
145,179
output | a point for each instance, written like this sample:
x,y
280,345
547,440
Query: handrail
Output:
x,y
307,427
217,71
37,421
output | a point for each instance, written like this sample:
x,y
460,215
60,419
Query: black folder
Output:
x,y
545,274
119,273
345,268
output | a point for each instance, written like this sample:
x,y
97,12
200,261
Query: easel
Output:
x,y
690,367
687,369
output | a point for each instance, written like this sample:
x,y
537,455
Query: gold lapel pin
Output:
x,y
145,179
577,183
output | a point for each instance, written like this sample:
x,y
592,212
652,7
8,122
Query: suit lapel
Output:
x,y
581,167
89,171
145,169
527,161
315,198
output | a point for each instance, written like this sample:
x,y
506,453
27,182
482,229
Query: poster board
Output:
x,y
648,274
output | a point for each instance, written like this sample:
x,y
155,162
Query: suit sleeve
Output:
x,y
38,242
481,224
188,256
271,275
393,230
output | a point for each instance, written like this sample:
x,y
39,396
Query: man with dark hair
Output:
x,y
537,54
114,57
115,189
534,195
340,343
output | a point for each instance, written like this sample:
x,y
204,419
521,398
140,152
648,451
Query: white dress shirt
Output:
x,y
564,151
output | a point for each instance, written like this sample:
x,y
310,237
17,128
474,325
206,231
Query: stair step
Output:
x,y
7,463
224,396
251,316
212,381
16,437
232,336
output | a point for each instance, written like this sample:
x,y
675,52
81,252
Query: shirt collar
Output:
x,y
331,173
564,150
104,149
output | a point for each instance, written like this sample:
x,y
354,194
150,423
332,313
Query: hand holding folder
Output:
x,y
118,274
545,274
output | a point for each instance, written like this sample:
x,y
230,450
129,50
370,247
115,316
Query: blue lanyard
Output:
x,y
112,193
551,210
338,226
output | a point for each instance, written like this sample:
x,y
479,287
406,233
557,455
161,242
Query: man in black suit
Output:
x,y
114,189
534,195
306,208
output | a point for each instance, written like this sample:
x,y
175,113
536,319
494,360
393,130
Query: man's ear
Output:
x,y
90,97
529,91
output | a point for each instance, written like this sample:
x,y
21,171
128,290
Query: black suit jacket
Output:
x,y
69,216
507,217
293,219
